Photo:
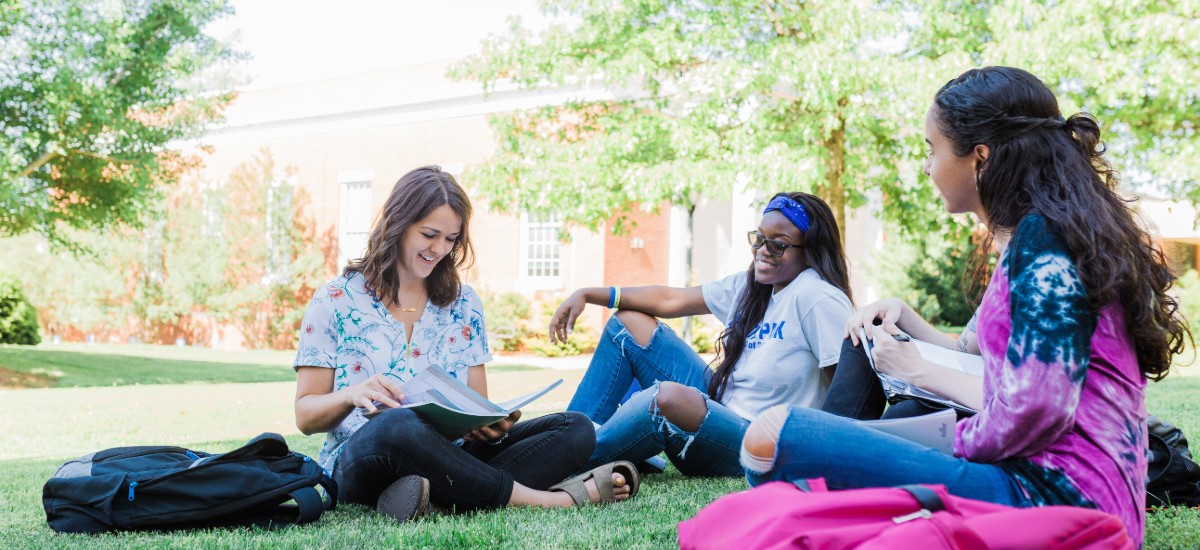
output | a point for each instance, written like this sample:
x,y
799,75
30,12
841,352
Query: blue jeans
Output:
x,y
848,455
638,431
619,360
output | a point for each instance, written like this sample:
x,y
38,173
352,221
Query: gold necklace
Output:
x,y
405,309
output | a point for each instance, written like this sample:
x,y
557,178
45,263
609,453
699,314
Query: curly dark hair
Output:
x,y
1040,162
822,251
414,196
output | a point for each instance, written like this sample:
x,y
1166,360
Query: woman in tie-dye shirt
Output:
x,y
1074,320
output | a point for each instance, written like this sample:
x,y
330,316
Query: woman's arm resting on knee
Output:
x,y
320,409
658,301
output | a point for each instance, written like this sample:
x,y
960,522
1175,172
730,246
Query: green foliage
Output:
x,y
940,275
826,97
91,96
512,326
270,266
243,252
705,331
18,319
706,96
537,341
507,316
930,276
1187,292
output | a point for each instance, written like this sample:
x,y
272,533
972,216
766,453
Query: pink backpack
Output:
x,y
781,515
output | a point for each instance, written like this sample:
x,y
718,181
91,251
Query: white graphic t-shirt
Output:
x,y
800,333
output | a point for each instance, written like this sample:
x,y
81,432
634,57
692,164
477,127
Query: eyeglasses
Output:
x,y
774,247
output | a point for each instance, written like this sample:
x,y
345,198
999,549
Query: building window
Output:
x,y
543,246
354,221
279,231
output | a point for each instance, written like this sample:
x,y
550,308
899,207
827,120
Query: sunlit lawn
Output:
x,y
44,427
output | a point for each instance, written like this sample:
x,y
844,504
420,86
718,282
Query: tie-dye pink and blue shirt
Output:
x,y
1064,404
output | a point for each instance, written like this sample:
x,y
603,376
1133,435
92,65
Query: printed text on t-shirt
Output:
x,y
763,331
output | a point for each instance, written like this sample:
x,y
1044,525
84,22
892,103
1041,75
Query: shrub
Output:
x,y
18,318
930,276
1187,292
582,339
507,319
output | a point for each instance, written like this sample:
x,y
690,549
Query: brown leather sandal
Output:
x,y
603,475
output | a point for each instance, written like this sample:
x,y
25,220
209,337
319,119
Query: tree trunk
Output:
x,y
687,274
832,191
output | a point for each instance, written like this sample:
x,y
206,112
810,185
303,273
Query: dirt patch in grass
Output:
x,y
15,380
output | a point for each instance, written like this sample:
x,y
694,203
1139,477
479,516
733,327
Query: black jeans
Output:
x,y
537,453
856,391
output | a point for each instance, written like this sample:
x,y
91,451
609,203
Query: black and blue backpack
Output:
x,y
161,488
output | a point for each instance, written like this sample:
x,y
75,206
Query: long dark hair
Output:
x,y
822,252
414,196
1040,162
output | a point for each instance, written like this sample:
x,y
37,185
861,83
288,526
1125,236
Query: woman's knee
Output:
x,y
763,434
639,325
401,428
578,433
681,405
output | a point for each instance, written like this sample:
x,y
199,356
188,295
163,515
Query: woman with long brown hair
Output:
x,y
394,312
1076,317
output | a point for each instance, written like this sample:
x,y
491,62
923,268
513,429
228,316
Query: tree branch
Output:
x,y
41,161
113,160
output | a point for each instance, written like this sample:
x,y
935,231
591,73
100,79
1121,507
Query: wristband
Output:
x,y
617,302
612,296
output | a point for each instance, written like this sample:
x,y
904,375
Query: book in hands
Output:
x,y
934,430
897,389
452,407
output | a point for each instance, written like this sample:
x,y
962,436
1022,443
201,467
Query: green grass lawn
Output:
x,y
75,365
44,427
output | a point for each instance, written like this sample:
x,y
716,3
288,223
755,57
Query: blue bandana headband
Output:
x,y
791,209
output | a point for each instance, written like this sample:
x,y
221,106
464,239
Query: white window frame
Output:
x,y
354,220
280,199
540,281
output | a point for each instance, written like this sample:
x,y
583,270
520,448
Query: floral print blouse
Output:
x,y
1064,400
346,329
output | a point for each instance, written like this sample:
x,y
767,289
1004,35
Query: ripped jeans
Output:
x,y
620,360
637,431
634,431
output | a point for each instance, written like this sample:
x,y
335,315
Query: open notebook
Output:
x,y
452,407
897,389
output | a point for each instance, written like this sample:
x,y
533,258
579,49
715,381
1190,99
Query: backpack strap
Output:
x,y
308,501
267,444
926,497
308,505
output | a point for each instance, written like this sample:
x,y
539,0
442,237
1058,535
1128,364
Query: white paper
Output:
x,y
934,430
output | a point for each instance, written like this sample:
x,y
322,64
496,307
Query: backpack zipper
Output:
x,y
919,514
143,452
253,501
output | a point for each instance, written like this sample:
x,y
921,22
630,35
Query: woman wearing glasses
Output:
x,y
784,320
